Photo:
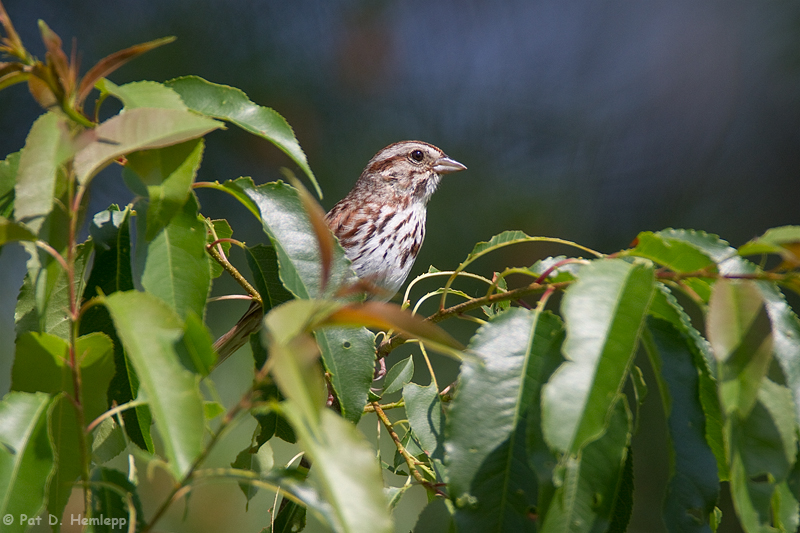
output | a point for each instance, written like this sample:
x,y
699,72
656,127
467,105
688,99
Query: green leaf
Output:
x,y
222,230
399,375
111,272
257,460
693,488
144,94
425,416
165,176
782,241
233,105
66,436
763,451
108,488
666,307
8,178
43,303
675,254
174,265
345,469
26,455
135,130
708,243
196,351
291,518
587,496
604,312
785,335
296,357
41,365
491,482
565,272
108,442
435,518
47,147
349,357
740,332
11,231
172,391
289,228
263,263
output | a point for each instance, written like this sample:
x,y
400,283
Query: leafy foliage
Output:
x,y
536,433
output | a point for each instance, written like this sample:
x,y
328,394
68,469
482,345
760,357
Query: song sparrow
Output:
x,y
380,223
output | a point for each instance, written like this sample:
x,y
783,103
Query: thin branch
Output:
x,y
411,461
393,342
111,412
230,269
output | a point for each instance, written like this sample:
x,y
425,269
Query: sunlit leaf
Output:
x,y
134,130
174,265
165,176
26,456
233,105
708,243
491,482
42,365
345,470
740,332
172,391
143,94
604,312
8,178
586,498
11,231
783,241
47,147
763,450
675,254
344,466
785,335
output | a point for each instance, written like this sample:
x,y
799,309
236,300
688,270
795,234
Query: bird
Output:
x,y
380,224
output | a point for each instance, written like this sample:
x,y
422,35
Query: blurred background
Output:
x,y
579,119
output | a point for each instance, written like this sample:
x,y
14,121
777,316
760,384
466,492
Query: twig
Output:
x,y
230,269
411,461
393,342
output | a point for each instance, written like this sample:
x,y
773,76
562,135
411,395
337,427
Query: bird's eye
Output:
x,y
417,155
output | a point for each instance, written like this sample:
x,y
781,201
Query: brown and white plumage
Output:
x,y
381,222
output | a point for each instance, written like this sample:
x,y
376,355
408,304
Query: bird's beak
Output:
x,y
445,165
